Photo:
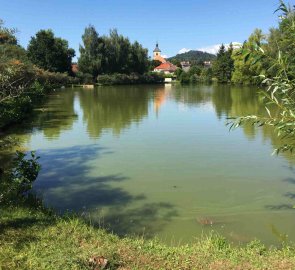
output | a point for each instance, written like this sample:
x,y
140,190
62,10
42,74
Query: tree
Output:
x,y
154,64
206,75
91,53
111,54
139,59
7,35
223,65
247,72
281,87
50,53
9,49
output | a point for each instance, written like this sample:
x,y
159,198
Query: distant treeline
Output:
x,y
243,67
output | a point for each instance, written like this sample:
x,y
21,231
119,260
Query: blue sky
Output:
x,y
192,24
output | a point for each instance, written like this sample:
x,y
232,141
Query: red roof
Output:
x,y
166,67
75,68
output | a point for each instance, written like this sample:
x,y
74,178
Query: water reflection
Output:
x,y
159,158
57,116
114,108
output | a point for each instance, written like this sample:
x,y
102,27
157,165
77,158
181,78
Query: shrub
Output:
x,y
17,182
132,78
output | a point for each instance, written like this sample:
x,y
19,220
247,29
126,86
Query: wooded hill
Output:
x,y
193,57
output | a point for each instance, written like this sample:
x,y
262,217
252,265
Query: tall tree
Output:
x,y
91,52
281,86
246,72
50,53
223,65
111,54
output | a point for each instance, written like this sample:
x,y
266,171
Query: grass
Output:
x,y
38,239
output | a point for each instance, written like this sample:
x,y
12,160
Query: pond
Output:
x,y
160,161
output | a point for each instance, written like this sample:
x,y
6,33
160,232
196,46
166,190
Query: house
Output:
x,y
185,65
207,64
75,68
165,67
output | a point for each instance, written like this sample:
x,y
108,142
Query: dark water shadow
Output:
x,y
67,185
145,221
290,195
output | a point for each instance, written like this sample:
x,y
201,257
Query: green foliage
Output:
x,y
206,75
35,239
22,84
154,64
281,87
196,74
7,35
247,72
175,62
9,51
50,53
194,57
184,77
111,54
91,53
116,79
223,66
16,182
281,39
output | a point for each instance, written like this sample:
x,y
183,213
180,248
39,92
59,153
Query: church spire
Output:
x,y
157,48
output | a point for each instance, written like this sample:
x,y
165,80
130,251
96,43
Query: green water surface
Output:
x,y
160,161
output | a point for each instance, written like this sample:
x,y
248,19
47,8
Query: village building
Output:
x,y
207,64
75,68
165,67
185,65
157,55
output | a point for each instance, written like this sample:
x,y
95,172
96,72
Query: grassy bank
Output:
x,y
37,239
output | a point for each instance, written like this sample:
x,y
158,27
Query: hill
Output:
x,y
193,57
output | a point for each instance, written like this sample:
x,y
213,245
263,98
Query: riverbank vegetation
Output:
x,y
133,78
22,83
279,79
33,237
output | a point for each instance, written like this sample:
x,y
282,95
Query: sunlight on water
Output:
x,y
160,161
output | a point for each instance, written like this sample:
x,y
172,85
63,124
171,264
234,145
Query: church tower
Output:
x,y
157,52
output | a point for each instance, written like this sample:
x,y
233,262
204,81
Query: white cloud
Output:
x,y
184,50
165,56
214,48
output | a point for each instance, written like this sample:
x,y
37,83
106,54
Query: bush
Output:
x,y
85,78
23,85
129,79
16,182
184,77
